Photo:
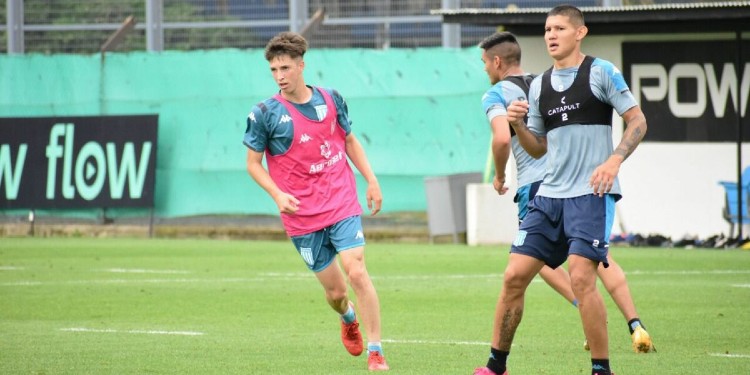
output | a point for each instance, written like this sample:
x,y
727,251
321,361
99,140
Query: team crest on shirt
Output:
x,y
325,150
321,111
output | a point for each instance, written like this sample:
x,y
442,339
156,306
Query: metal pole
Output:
x,y
32,220
298,14
738,109
451,31
154,25
14,23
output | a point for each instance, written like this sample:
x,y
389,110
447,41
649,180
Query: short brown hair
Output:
x,y
286,43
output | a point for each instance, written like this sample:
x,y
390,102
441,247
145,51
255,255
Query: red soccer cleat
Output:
x,y
376,362
351,338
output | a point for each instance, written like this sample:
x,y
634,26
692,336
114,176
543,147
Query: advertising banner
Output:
x,y
690,91
77,162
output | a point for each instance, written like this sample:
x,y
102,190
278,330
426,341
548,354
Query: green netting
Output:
x,y
417,112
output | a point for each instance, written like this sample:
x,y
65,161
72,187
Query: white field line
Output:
x,y
727,355
138,270
296,275
148,332
137,281
291,276
689,272
10,268
435,342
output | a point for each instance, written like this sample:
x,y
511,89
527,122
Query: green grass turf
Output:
x,y
255,309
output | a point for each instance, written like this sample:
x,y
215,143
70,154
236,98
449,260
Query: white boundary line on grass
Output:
x,y
278,276
139,270
10,268
689,272
132,281
150,332
434,342
727,355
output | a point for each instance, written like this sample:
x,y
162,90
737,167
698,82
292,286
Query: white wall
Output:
x,y
668,188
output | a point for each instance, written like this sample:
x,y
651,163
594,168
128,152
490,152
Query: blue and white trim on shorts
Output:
x,y
319,249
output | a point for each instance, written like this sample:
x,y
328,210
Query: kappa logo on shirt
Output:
x,y
251,117
304,138
285,119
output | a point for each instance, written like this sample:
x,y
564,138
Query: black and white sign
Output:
x,y
77,162
690,91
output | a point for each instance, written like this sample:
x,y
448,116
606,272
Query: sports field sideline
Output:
x,y
158,306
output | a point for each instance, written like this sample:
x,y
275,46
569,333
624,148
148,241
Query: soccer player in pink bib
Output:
x,y
305,134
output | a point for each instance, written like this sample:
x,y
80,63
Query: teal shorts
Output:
x,y
318,249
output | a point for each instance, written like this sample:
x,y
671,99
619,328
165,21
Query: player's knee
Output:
x,y
582,283
516,280
357,275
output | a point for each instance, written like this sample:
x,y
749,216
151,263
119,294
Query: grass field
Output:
x,y
139,306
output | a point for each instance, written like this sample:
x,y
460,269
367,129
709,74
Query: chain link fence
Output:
x,y
74,26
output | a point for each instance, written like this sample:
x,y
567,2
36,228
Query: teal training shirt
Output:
x,y
574,151
495,103
270,127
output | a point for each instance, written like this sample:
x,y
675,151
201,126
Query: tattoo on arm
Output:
x,y
632,137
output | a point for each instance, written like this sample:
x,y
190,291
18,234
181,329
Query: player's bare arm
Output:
x,y
356,154
286,203
500,151
535,145
604,175
635,130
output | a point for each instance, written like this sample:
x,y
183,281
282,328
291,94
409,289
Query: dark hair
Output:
x,y
286,43
575,14
504,45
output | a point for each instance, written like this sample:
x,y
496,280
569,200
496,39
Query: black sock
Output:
x,y
600,367
497,360
635,322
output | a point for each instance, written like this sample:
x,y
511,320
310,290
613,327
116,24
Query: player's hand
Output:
x,y
499,185
374,198
603,178
287,203
517,111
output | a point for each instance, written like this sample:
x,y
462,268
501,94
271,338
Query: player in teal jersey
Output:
x,y
305,135
569,119
501,56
